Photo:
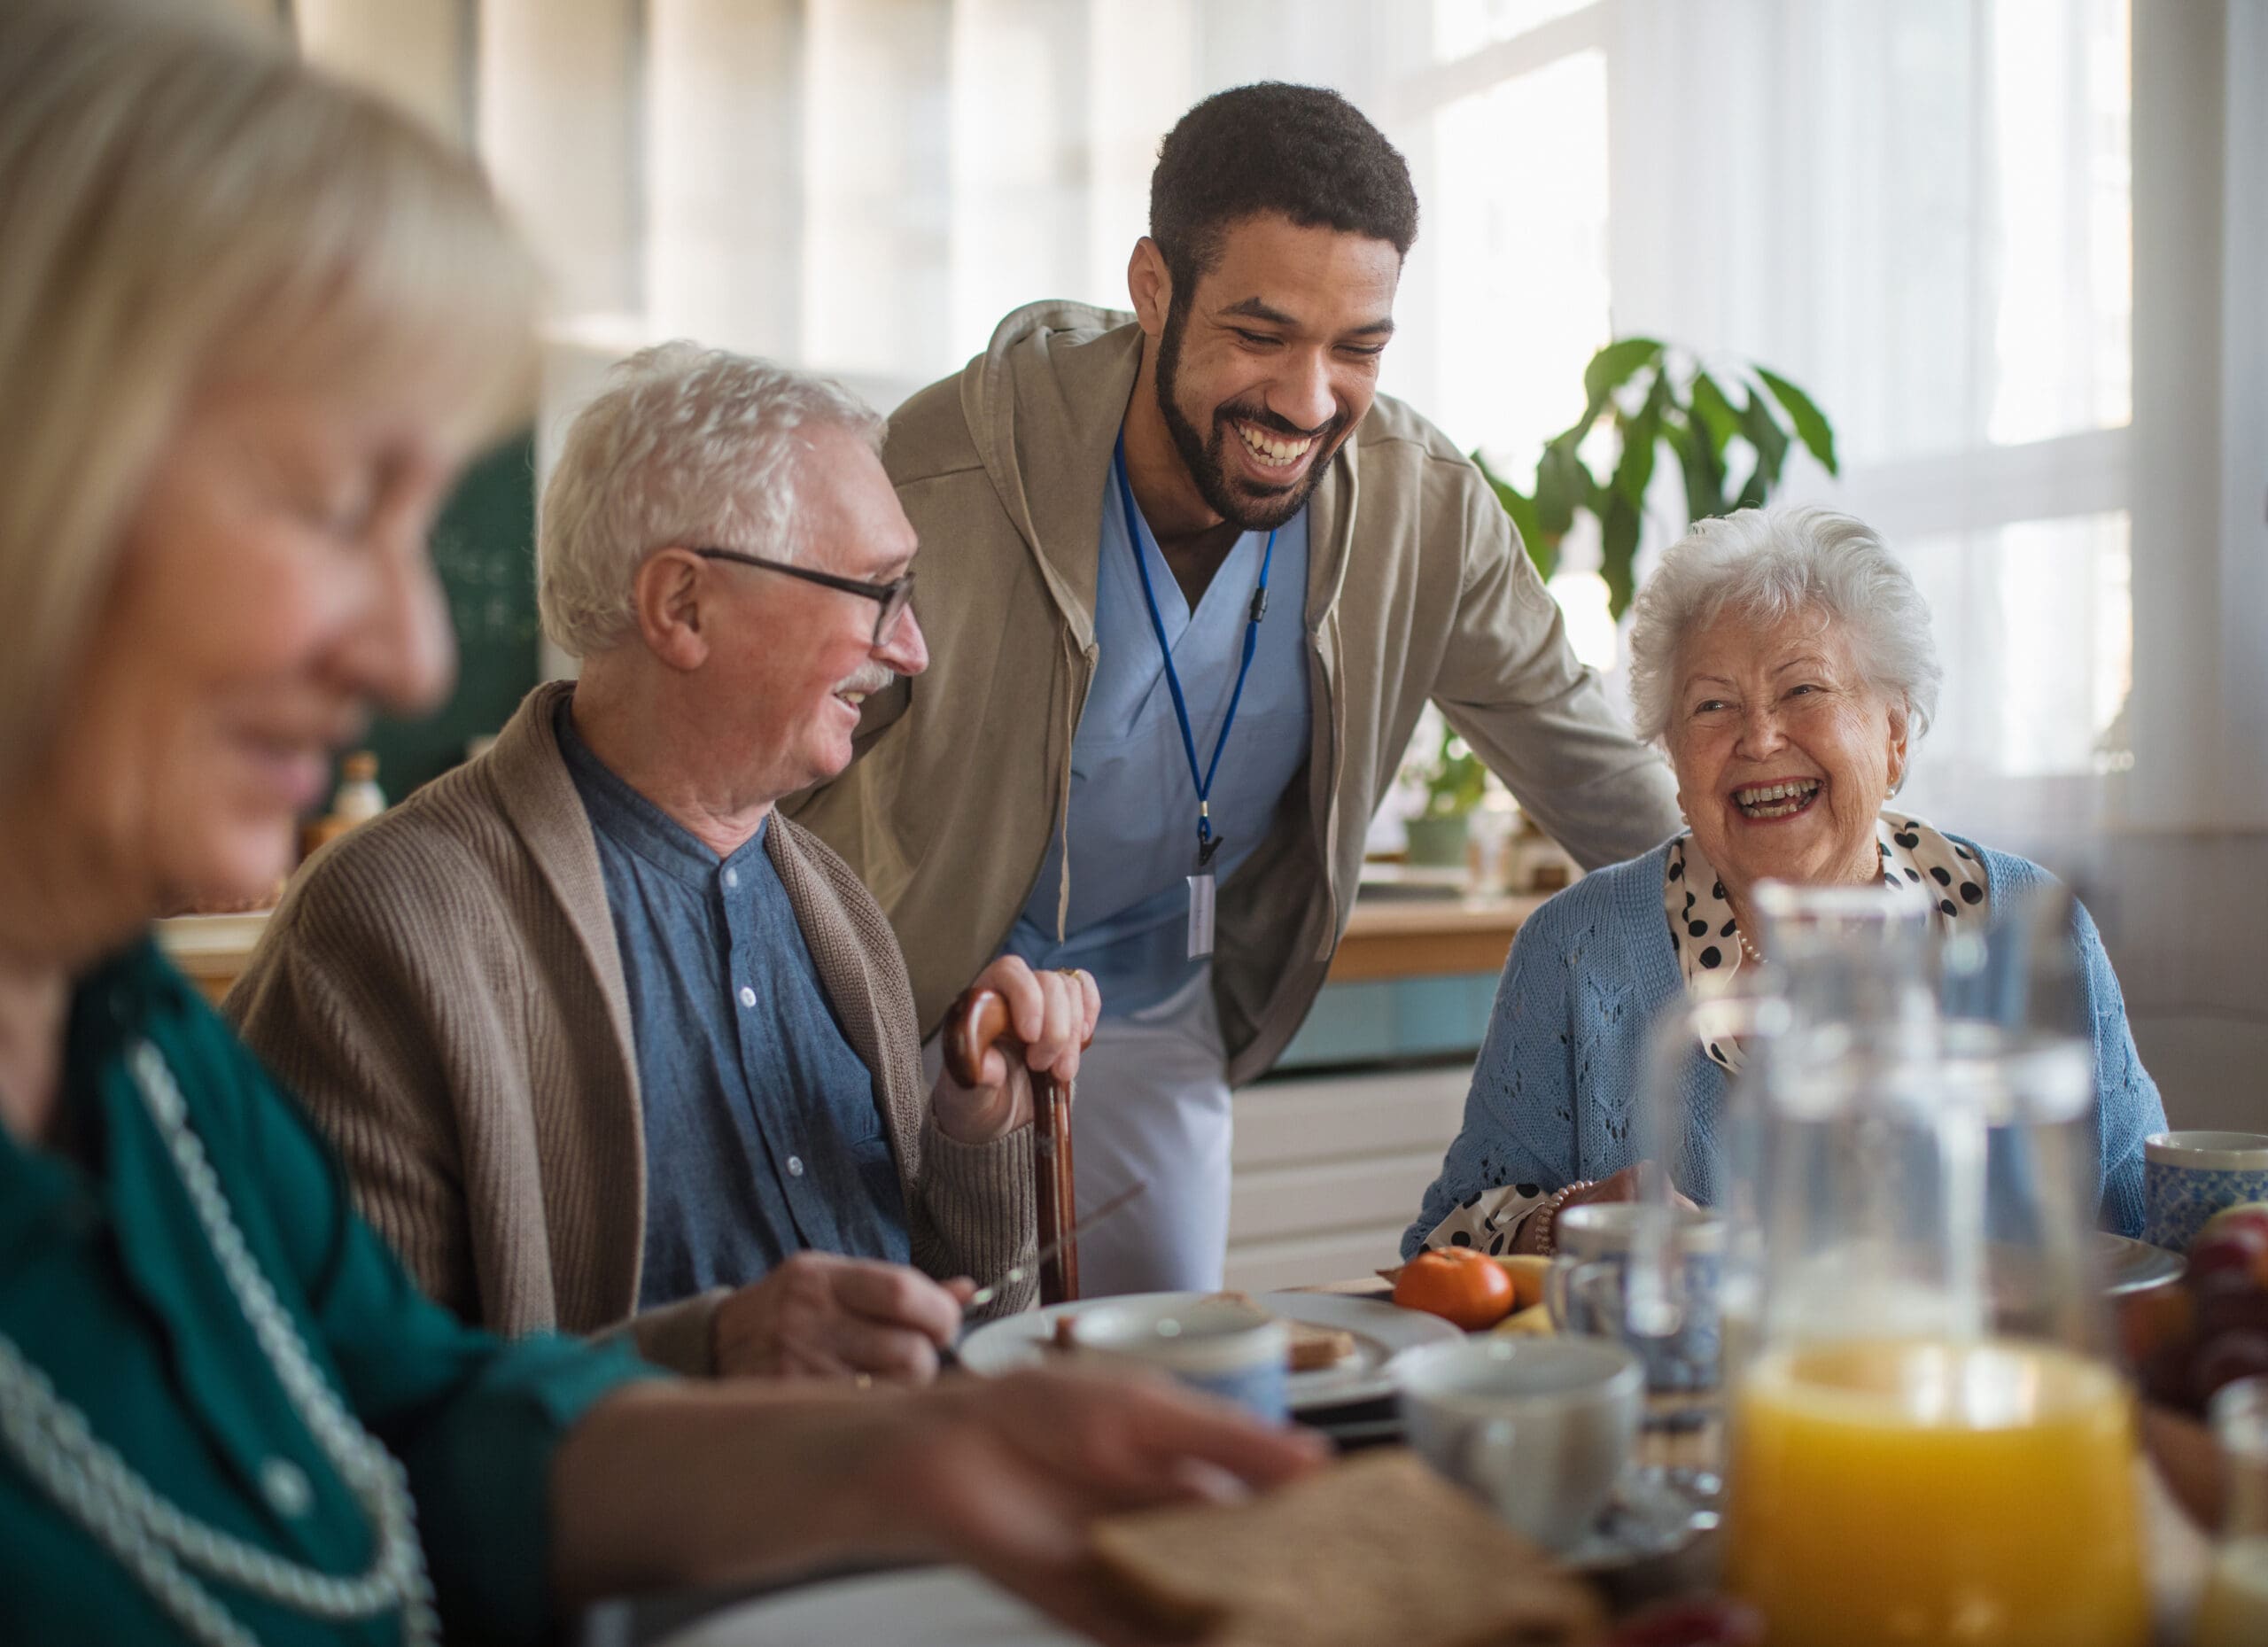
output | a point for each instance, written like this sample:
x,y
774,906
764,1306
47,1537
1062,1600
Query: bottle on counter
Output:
x,y
358,800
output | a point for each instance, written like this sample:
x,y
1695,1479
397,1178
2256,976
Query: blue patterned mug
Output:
x,y
2188,1176
1227,1347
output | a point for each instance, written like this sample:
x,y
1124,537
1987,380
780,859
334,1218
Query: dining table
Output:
x,y
1681,1438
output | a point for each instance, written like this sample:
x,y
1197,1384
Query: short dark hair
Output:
x,y
1301,150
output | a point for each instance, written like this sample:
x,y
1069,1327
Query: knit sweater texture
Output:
x,y
1557,1092
442,989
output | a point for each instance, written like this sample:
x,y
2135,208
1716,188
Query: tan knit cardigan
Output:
x,y
443,990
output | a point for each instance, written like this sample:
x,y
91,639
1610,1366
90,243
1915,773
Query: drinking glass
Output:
x,y
1684,1275
1928,1444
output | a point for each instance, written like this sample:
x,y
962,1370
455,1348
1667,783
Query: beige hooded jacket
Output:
x,y
1418,588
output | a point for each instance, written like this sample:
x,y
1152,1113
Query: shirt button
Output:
x,y
732,877
286,1485
794,1166
748,996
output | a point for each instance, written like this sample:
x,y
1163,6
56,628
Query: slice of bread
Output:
x,y
1375,1550
1313,1347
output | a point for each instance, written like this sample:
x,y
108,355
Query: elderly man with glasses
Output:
x,y
605,1044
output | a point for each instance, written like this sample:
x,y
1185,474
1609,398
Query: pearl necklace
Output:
x,y
1747,948
156,1542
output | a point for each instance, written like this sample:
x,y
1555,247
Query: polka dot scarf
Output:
x,y
1708,938
1488,1219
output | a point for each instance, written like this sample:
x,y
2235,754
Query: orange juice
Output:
x,y
1910,1492
2235,1610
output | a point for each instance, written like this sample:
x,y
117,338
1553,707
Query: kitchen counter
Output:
x,y
1395,932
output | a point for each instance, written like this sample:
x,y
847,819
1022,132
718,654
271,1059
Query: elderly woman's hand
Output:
x,y
1054,1014
1626,1185
653,1485
1007,1475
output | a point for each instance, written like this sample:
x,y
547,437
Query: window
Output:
x,y
1923,212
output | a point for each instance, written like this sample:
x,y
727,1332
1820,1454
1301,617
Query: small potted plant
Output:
x,y
1453,779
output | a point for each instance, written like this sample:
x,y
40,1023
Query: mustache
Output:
x,y
868,678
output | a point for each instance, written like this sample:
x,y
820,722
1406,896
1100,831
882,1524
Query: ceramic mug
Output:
x,y
2188,1176
1584,1292
1227,1347
1537,1428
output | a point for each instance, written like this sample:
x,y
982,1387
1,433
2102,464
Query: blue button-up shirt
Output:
x,y
764,1135
1133,813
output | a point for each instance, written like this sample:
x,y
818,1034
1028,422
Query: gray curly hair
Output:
x,y
1769,564
684,446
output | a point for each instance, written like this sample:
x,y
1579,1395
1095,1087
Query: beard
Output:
x,y
1202,455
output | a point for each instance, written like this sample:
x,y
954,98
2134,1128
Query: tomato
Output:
x,y
1458,1285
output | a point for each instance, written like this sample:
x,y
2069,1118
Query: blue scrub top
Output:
x,y
1133,813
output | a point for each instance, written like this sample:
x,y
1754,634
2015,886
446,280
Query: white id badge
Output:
x,y
1200,915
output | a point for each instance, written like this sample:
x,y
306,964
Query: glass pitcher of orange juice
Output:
x,y
1927,1445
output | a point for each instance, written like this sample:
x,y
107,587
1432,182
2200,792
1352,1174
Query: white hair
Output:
x,y
686,446
184,204
1769,565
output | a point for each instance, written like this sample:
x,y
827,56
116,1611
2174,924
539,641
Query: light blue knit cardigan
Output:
x,y
1557,1092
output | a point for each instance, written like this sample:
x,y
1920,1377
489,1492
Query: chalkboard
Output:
x,y
484,547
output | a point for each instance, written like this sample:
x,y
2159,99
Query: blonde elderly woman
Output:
x,y
263,322
1784,659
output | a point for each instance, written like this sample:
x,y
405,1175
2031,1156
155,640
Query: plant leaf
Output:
x,y
1812,427
1717,417
1704,469
1562,486
1542,550
1611,367
1762,430
1635,470
1619,553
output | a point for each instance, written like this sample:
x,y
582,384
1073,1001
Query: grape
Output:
x,y
2239,1248
2228,1357
2229,1302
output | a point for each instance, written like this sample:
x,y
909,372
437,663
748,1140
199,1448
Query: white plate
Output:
x,y
2130,1266
1380,1330
930,1607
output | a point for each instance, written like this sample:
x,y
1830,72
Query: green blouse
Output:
x,y
108,1284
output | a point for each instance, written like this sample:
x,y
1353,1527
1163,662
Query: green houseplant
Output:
x,y
1652,395
1454,780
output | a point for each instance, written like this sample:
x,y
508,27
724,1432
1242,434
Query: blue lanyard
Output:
x,y
1206,844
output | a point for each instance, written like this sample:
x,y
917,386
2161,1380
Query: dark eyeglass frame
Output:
x,y
892,597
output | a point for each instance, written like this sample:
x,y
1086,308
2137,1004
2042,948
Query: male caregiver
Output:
x,y
1188,581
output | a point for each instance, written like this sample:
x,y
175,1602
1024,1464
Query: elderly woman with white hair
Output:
x,y
1784,660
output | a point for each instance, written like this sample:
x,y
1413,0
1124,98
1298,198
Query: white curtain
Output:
x,y
1923,212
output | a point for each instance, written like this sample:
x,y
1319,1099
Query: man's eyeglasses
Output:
x,y
891,597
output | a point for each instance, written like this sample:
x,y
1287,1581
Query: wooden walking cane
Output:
x,y
976,1021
